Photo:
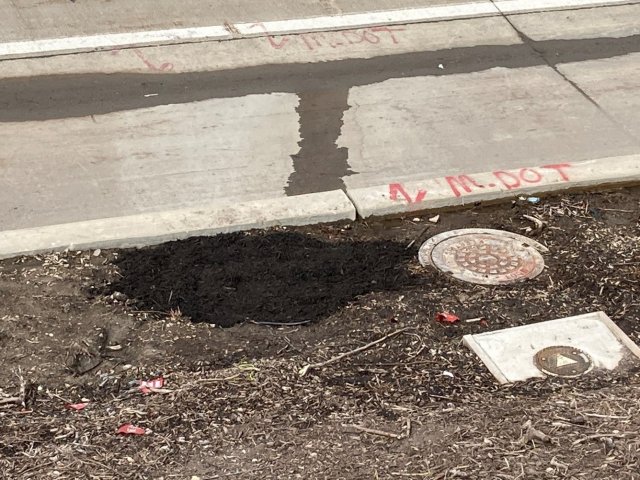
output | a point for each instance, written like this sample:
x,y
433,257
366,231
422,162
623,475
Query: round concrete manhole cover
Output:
x,y
561,361
488,257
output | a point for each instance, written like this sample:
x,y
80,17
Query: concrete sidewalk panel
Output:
x,y
510,353
616,94
30,32
473,122
614,22
154,228
461,189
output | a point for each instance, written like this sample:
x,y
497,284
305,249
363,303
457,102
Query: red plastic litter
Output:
x,y
147,386
76,406
128,429
446,317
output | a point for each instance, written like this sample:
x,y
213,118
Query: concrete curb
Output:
x,y
431,193
390,199
154,228
109,41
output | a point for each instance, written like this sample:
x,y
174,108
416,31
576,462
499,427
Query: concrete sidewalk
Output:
x,y
41,30
395,198
34,19
98,16
93,151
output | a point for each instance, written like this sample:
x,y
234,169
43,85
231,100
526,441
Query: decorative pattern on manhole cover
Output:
x,y
489,257
562,361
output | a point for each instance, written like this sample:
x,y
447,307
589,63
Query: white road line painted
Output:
x,y
369,19
58,46
111,41
525,6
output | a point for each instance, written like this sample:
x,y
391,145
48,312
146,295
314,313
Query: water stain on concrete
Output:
x,y
320,165
63,96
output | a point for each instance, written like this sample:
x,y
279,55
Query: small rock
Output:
x,y
118,296
435,219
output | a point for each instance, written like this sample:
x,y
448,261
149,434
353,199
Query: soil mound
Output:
x,y
282,277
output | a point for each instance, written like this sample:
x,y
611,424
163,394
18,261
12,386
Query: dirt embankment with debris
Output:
x,y
85,327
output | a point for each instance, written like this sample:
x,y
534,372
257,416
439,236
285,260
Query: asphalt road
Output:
x,y
109,134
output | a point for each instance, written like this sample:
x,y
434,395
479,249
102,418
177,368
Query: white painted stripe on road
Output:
x,y
111,41
525,6
359,20
57,46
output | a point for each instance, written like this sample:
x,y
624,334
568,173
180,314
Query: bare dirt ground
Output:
x,y
86,327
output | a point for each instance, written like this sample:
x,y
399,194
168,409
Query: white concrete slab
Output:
x,y
520,6
158,227
318,47
92,43
613,22
613,83
509,354
453,190
471,123
151,159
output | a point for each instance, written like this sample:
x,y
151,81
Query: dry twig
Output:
x,y
605,435
373,431
303,371
532,433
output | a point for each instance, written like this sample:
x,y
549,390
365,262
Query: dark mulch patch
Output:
x,y
276,277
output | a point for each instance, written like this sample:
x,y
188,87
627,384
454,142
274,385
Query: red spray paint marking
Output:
x,y
515,179
270,38
397,188
465,182
165,67
509,179
339,39
529,175
390,31
559,167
